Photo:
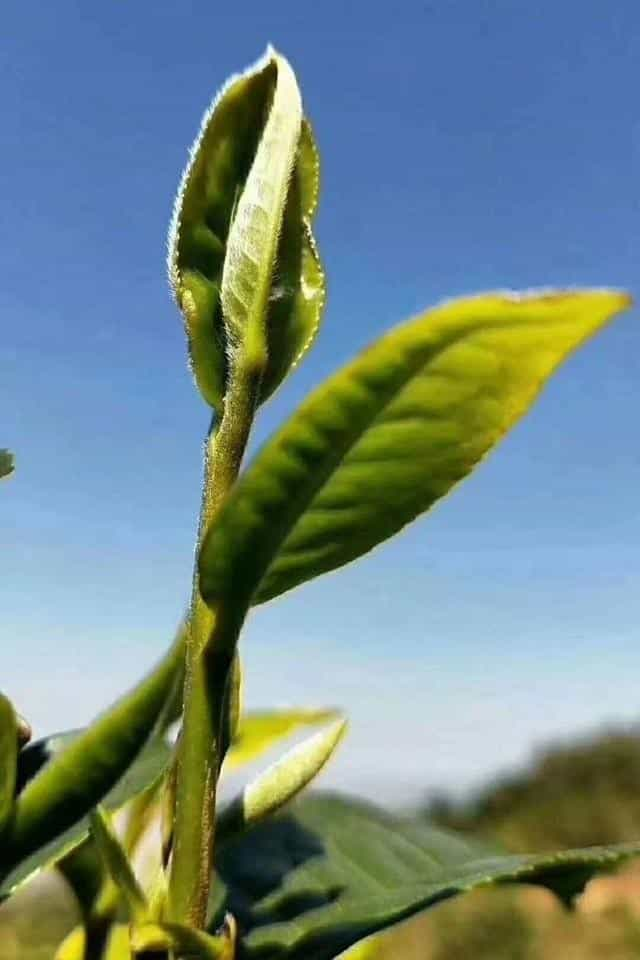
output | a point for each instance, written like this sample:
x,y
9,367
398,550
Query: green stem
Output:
x,y
210,650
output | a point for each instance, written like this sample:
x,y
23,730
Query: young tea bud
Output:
x,y
243,263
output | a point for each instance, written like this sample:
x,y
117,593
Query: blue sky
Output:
x,y
466,146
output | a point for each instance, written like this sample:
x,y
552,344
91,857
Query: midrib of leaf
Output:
x,y
343,424
378,399
253,237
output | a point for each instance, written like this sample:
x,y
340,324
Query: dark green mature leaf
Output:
x,y
143,773
312,882
83,771
205,209
383,439
7,463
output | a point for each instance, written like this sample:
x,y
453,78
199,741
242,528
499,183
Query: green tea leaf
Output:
x,y
259,731
8,762
255,229
369,949
173,936
297,302
220,161
83,772
146,771
331,871
298,290
86,876
73,947
117,864
282,781
7,463
382,440
216,221
118,946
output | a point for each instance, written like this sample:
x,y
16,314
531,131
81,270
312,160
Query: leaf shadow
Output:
x,y
270,894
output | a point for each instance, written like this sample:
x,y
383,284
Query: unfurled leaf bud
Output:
x,y
243,263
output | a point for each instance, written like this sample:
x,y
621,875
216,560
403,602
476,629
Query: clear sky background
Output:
x,y
467,144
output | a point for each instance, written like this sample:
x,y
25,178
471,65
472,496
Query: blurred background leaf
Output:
x,y
7,463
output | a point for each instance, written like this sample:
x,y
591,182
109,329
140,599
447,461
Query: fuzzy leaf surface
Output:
x,y
208,200
253,235
276,786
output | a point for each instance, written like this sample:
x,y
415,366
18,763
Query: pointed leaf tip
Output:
x,y
390,434
259,731
253,135
282,781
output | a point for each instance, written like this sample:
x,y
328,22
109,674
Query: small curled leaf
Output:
x,y
240,242
218,167
282,781
259,731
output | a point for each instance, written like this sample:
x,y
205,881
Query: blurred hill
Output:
x,y
572,795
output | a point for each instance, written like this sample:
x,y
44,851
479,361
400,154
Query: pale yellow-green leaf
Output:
x,y
388,435
370,949
73,947
219,163
260,730
158,937
283,780
118,945
206,208
255,229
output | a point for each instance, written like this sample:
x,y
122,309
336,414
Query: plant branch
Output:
x,y
210,650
